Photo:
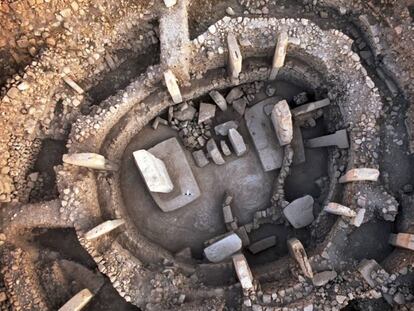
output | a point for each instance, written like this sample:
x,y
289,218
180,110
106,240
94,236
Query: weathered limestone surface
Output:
x,y
282,122
359,218
103,228
263,244
225,148
243,271
403,240
223,128
214,152
310,107
172,86
323,278
297,251
339,139
77,302
358,174
223,248
206,112
90,160
240,105
235,57
237,142
338,209
153,171
280,54
219,100
299,213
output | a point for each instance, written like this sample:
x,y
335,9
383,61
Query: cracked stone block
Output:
x,y
282,122
323,278
243,271
359,218
297,251
366,267
240,105
235,56
403,240
234,94
214,152
340,210
77,302
223,128
358,174
186,190
223,248
280,54
310,107
103,228
339,139
172,86
237,142
225,148
299,212
153,171
206,112
186,114
219,100
200,158
263,244
90,160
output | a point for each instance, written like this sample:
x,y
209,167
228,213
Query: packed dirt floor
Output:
x,y
207,155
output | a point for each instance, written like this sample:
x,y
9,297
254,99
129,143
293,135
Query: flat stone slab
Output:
x,y
186,189
339,139
358,174
299,212
263,244
237,142
206,112
200,158
323,278
338,209
219,100
243,271
310,107
403,240
223,128
366,267
77,302
103,228
223,248
214,152
264,138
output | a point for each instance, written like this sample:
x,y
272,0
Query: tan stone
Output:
x,y
280,54
403,240
103,228
90,160
73,84
297,251
172,86
78,302
235,57
359,174
282,122
338,209
243,271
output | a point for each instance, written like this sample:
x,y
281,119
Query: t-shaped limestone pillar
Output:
x,y
90,160
235,57
280,54
153,171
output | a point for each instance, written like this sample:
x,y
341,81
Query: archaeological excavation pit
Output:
x,y
194,155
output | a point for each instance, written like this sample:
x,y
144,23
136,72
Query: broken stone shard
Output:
x,y
235,57
214,152
227,214
339,139
186,114
297,251
90,160
299,213
282,122
77,302
359,218
237,142
172,86
103,228
219,100
153,171
200,158
263,244
338,209
403,240
358,174
207,111
323,278
223,248
223,128
243,271
280,54
310,107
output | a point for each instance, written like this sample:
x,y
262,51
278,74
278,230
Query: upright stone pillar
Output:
x,y
280,54
235,57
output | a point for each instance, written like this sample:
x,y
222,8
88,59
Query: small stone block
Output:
x,y
297,251
242,233
359,218
225,148
240,105
207,111
243,271
366,267
172,86
219,100
223,128
234,94
223,248
73,85
170,3
200,158
237,142
402,240
310,107
299,212
358,174
77,302
228,214
103,228
338,209
263,244
214,152
323,278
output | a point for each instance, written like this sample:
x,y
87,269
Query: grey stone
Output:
x,y
240,105
235,57
227,214
200,158
299,213
172,86
219,100
207,111
223,248
262,244
282,122
338,209
366,267
280,54
339,139
322,278
103,228
186,114
225,148
223,128
234,94
310,107
297,251
237,142
243,271
214,152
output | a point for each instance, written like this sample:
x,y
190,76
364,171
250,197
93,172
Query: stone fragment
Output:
x,y
310,107
206,112
153,171
225,148
282,122
299,213
157,121
237,142
77,302
243,271
223,128
366,267
103,228
90,160
200,158
403,240
170,3
297,251
323,278
73,84
234,94
214,152
358,174
359,218
339,139
338,209
240,105
223,248
172,86
262,244
186,114
227,214
280,54
235,57
219,100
